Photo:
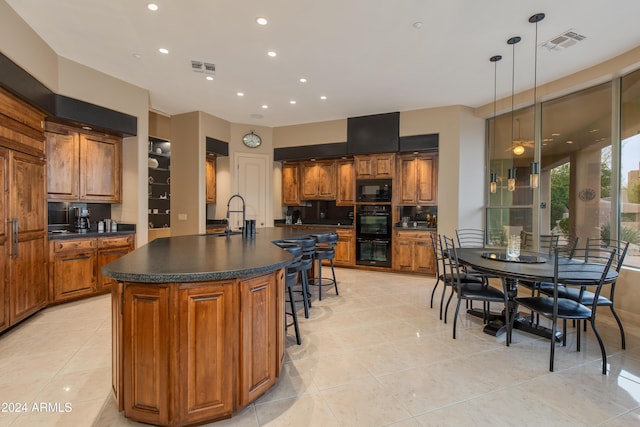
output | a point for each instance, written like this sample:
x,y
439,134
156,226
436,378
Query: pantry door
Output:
x,y
253,184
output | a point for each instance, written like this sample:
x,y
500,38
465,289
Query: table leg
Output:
x,y
497,321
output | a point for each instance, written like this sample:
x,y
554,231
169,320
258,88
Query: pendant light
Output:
x,y
534,173
511,181
493,184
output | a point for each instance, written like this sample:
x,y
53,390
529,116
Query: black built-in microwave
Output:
x,y
373,190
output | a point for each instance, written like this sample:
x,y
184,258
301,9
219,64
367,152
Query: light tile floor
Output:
x,y
374,356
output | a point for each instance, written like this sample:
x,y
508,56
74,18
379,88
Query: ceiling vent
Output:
x,y
564,40
203,67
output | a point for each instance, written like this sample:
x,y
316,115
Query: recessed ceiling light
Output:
x,y
272,54
240,93
87,128
594,130
163,50
323,97
292,102
417,25
302,80
569,142
152,7
137,55
265,106
555,134
209,78
262,21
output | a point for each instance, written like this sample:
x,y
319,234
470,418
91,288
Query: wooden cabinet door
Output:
x,y
364,167
326,180
308,181
385,165
62,166
73,274
290,184
345,187
403,254
258,337
105,256
424,261
345,249
406,187
27,264
100,169
207,363
426,182
4,240
146,353
211,179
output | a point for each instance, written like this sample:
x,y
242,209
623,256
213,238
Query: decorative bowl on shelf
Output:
x,y
169,180
152,163
151,180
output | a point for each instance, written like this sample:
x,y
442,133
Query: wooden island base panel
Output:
x,y
198,325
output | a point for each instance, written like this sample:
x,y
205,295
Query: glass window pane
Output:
x,y
630,167
575,179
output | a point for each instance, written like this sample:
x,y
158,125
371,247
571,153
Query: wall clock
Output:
x,y
252,140
587,194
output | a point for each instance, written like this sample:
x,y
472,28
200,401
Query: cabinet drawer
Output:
x,y
75,244
115,242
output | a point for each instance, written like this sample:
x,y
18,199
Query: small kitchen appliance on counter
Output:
x,y
82,223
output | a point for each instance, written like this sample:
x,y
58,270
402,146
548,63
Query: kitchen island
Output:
x,y
198,325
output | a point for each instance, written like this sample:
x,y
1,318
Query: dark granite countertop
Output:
x,y
64,233
327,224
205,257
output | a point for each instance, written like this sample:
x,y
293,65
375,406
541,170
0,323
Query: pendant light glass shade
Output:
x,y
534,175
493,185
511,182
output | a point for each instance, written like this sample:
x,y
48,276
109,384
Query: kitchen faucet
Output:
x,y
228,230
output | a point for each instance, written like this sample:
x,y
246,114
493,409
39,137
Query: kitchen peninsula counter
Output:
x,y
198,325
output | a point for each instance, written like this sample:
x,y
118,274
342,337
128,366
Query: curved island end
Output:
x,y
198,325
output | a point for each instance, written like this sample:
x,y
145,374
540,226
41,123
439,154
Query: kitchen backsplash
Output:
x,y
61,213
321,211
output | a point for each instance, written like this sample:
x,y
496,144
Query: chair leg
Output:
x,y
320,280
294,315
333,272
552,351
615,315
433,292
305,293
455,319
446,309
444,292
603,351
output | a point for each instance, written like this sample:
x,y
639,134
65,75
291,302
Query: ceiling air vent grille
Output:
x,y
564,40
203,67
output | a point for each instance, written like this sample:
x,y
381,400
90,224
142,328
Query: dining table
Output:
x,y
531,267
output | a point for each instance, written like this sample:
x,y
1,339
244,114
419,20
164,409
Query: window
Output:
x,y
589,183
629,229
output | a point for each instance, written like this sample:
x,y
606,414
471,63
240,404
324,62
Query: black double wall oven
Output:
x,y
373,235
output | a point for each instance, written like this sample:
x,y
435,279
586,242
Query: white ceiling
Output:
x,y
364,55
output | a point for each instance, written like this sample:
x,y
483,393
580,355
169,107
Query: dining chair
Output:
x,y
470,238
584,295
547,246
472,291
592,267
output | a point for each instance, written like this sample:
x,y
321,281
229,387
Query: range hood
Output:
x,y
378,133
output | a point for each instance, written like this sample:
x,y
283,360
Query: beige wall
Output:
x,y
24,47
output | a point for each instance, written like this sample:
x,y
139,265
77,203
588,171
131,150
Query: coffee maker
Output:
x,y
82,223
